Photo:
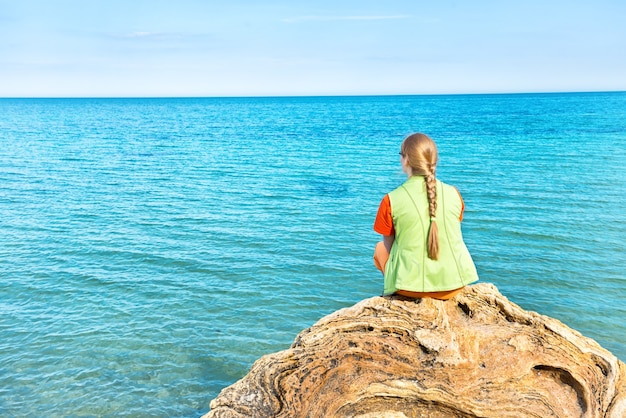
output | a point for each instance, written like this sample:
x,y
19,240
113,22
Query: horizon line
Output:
x,y
314,95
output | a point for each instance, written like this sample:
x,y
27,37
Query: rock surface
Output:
x,y
476,355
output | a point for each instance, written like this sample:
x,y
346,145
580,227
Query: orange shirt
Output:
x,y
383,224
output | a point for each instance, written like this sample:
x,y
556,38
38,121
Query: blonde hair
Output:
x,y
421,154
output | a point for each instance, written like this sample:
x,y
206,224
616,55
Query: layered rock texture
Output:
x,y
476,355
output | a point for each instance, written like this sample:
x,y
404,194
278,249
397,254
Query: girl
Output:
x,y
422,253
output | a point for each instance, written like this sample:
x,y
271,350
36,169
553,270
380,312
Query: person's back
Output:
x,y
422,253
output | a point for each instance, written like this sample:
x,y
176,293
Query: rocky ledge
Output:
x,y
476,355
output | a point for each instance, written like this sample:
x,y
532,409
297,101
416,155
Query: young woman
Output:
x,y
422,253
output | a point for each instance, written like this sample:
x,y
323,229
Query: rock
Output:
x,y
476,355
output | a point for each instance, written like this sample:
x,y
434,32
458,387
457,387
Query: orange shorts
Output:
x,y
380,261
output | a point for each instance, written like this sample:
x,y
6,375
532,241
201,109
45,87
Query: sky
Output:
x,y
199,48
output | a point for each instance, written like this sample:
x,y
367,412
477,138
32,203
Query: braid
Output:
x,y
421,154
431,190
433,231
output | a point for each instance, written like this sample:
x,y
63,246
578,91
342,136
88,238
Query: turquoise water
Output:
x,y
152,249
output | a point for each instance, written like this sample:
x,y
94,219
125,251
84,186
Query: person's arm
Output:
x,y
462,205
383,224
388,241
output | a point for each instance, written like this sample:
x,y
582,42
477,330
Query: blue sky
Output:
x,y
121,48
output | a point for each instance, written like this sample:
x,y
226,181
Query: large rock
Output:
x,y
476,355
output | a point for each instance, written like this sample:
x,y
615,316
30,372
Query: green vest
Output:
x,y
409,267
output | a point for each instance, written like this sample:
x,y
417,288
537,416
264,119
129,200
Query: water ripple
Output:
x,y
153,249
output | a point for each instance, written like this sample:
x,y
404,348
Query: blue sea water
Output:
x,y
152,249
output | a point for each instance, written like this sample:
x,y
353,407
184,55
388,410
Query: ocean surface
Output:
x,y
152,249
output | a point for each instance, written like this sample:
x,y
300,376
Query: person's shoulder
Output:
x,y
400,189
397,188
446,185
449,188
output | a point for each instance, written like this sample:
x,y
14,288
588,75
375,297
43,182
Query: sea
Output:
x,y
152,249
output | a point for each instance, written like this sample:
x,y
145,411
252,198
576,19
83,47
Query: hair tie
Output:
x,y
432,218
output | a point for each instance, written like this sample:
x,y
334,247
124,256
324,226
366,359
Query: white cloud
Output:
x,y
140,35
343,18
157,36
148,35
